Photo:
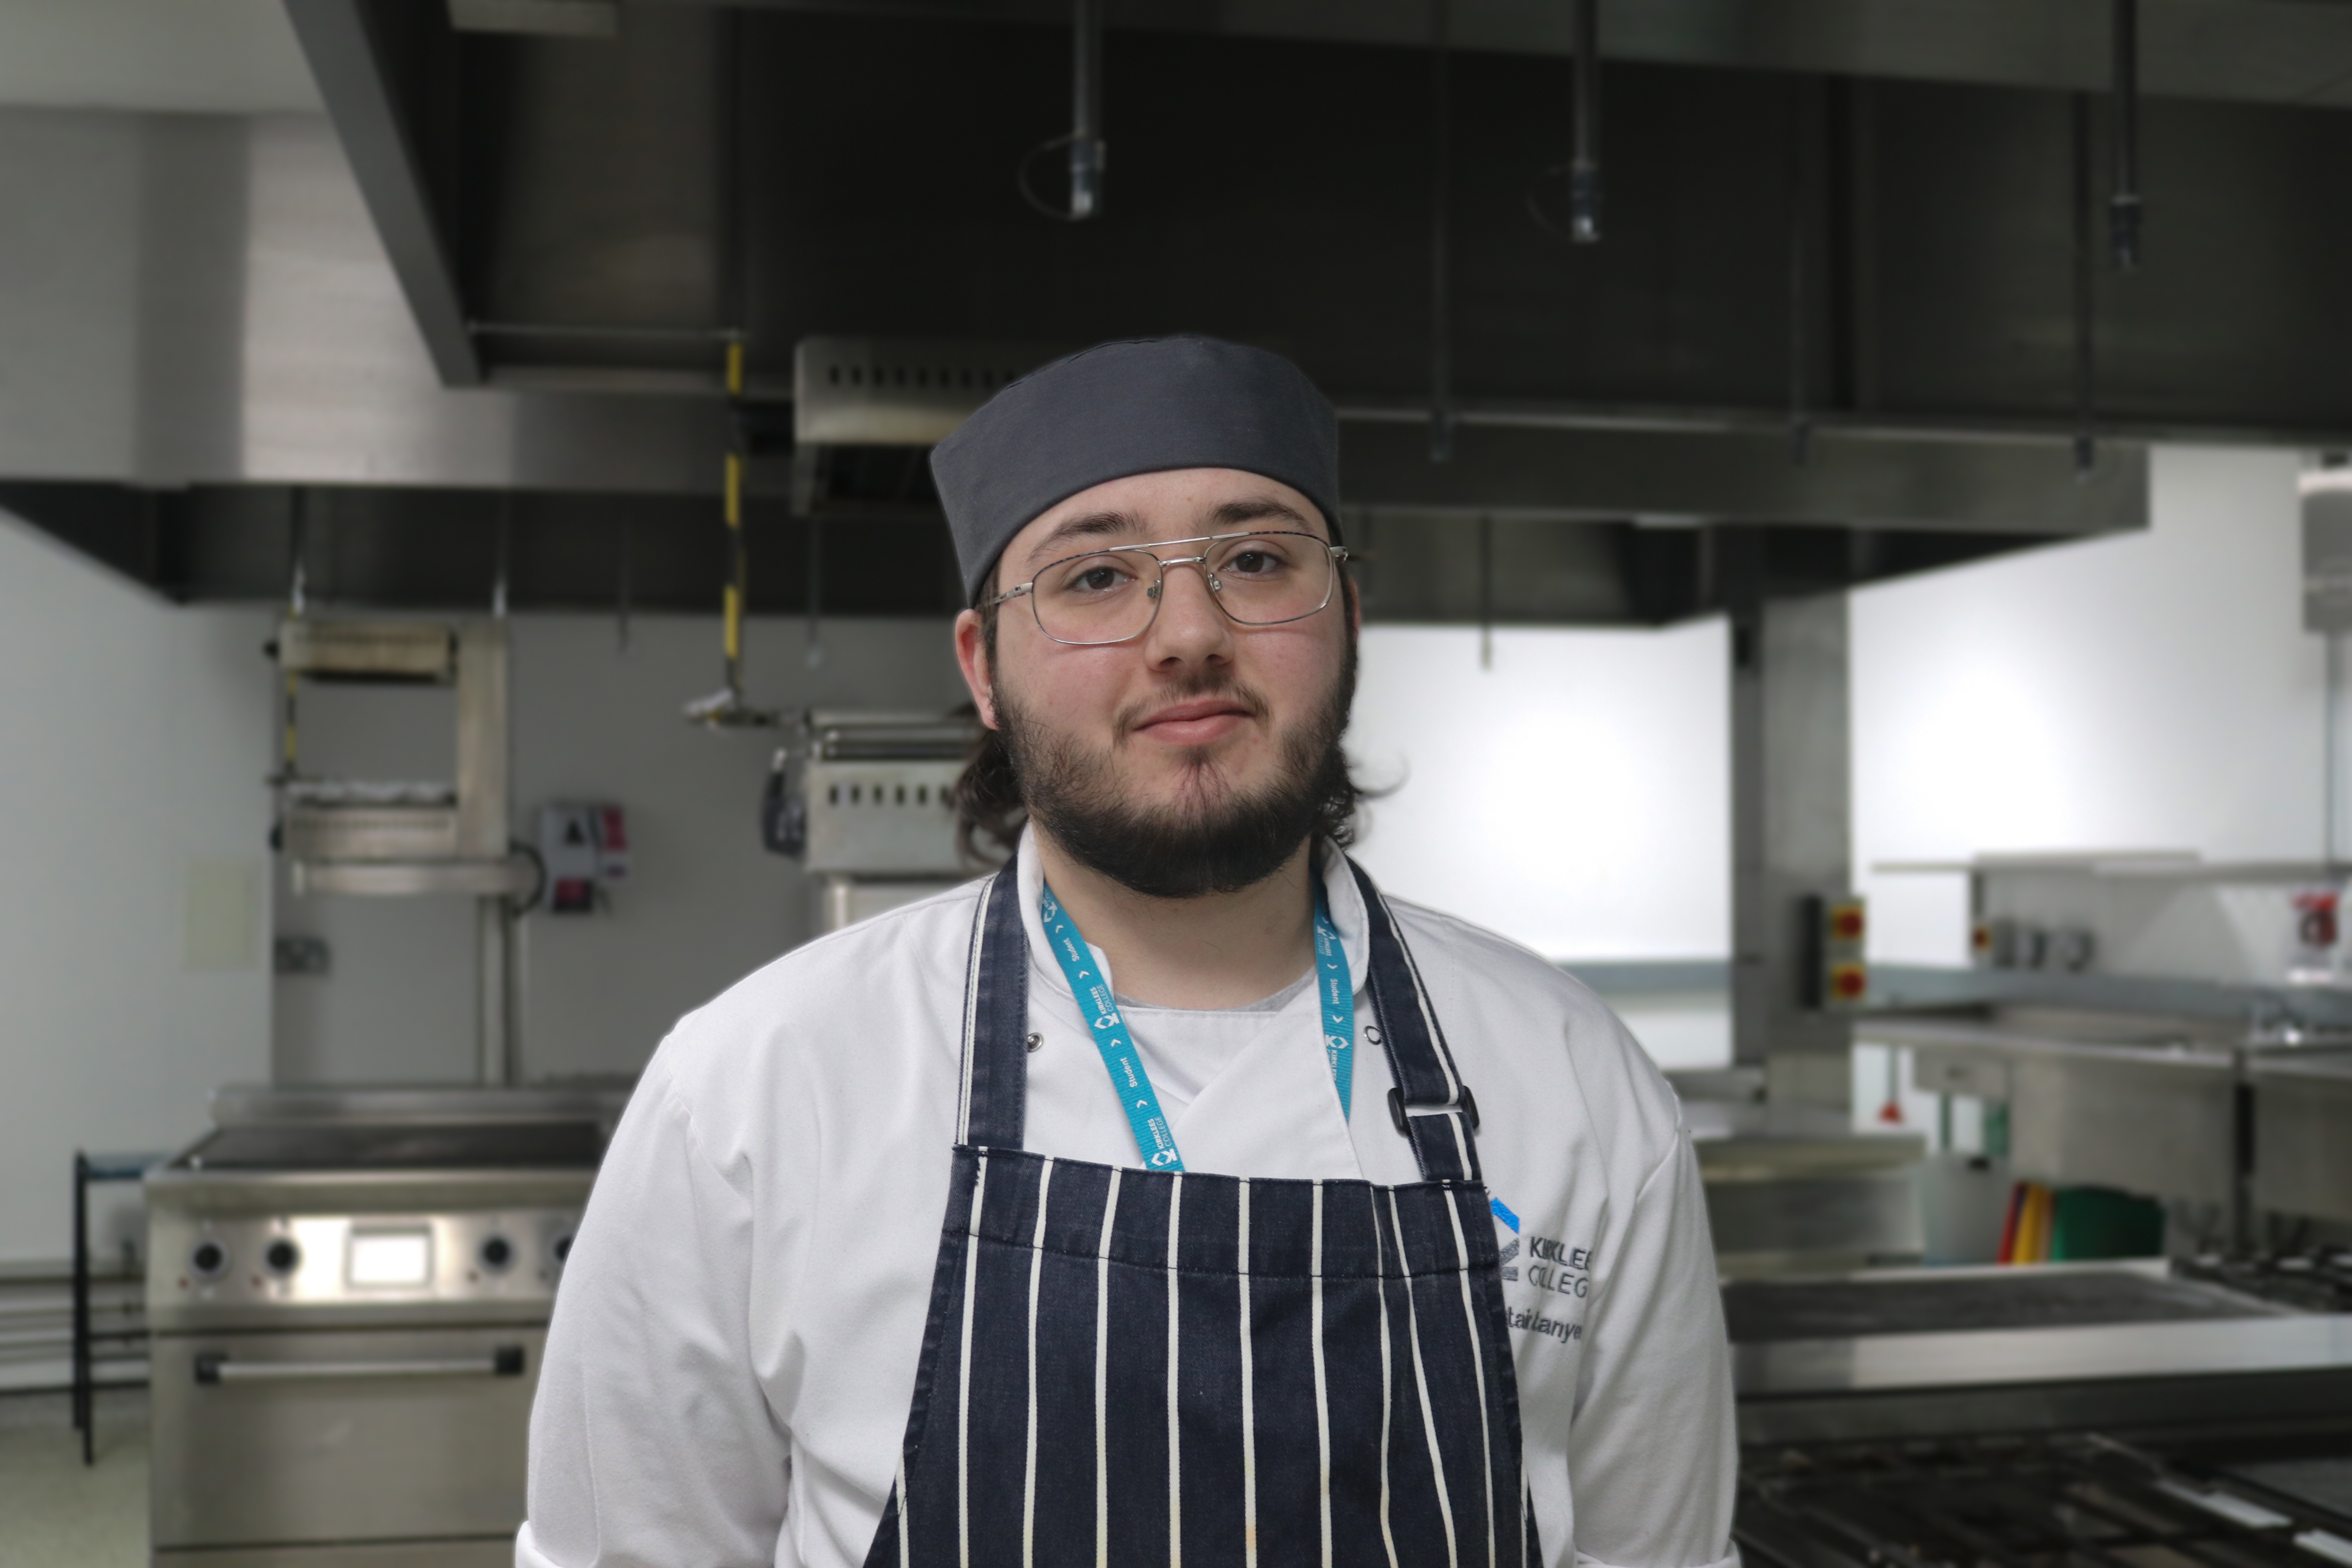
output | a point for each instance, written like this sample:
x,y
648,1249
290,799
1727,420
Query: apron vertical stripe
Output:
x,y
1322,1383
1388,1396
1175,1451
1420,1386
1249,1396
906,1529
963,1374
1479,1366
1102,1377
1029,1472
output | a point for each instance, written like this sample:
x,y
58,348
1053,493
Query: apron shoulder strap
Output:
x,y
995,1019
1429,1104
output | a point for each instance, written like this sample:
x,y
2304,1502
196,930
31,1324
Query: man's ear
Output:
x,y
971,658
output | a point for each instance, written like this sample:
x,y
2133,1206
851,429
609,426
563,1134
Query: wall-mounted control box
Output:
x,y
584,846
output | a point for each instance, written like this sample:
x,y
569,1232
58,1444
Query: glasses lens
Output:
x,y
1102,598
1267,578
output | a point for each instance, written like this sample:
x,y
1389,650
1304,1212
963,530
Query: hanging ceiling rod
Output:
x,y
1090,154
2124,204
1584,164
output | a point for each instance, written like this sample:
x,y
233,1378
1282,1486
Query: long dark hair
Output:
x,y
988,802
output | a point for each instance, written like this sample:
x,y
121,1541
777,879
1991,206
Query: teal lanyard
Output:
x,y
1335,990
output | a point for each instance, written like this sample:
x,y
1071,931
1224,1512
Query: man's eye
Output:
x,y
1256,563
1093,577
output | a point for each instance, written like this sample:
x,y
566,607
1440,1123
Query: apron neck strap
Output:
x,y
996,1019
1429,1103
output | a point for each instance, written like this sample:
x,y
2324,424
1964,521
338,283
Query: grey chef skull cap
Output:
x,y
1141,406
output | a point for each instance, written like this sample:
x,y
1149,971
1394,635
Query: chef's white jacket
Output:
x,y
734,1346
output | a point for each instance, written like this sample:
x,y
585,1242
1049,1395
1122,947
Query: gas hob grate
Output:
x,y
2083,1501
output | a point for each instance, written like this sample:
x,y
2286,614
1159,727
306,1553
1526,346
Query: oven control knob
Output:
x,y
282,1257
562,1247
208,1259
496,1253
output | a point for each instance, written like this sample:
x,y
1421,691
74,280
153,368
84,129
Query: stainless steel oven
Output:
x,y
349,1301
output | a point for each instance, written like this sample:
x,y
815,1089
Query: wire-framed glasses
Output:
x,y
1113,594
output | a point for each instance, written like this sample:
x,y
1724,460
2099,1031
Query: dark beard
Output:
x,y
1214,840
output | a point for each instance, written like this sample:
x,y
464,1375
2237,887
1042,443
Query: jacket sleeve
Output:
x,y
1653,1453
652,1441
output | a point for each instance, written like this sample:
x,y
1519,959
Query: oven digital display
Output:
x,y
386,1259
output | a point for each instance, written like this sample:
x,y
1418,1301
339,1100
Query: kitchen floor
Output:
x,y
54,1513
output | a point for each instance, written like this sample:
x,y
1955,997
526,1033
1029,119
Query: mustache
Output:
x,y
1183,689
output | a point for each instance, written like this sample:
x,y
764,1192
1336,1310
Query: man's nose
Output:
x,y
1190,626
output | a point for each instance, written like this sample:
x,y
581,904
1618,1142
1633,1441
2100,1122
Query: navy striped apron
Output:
x,y
1125,1366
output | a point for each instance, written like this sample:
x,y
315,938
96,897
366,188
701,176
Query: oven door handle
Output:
x,y
215,1367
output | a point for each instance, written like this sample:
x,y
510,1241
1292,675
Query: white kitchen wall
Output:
x,y
705,904
2150,691
1574,794
134,927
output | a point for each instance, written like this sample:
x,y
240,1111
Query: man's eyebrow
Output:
x,y
1256,509
1088,525
1227,515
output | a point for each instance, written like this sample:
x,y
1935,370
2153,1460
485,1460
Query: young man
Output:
x,y
1170,1196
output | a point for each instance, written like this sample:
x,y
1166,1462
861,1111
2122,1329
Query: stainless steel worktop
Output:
x,y
1958,1300
599,1100
2067,1352
2052,1345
